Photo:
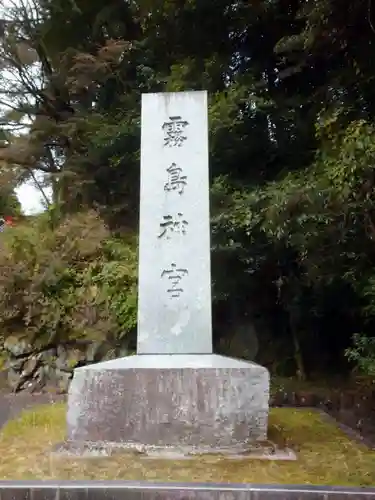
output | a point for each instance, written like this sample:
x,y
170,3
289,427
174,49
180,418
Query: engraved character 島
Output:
x,y
172,224
176,181
173,131
174,276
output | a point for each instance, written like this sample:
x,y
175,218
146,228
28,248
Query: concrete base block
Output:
x,y
204,402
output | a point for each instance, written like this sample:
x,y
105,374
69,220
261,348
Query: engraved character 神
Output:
x,y
172,224
173,131
174,276
176,181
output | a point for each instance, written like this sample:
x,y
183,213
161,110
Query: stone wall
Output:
x,y
50,367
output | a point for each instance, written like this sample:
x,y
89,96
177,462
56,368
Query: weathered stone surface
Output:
x,y
175,392
146,490
174,304
93,352
17,347
47,356
30,366
63,380
33,368
204,401
36,381
14,379
15,363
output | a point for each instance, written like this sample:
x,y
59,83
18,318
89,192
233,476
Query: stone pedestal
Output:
x,y
164,397
205,402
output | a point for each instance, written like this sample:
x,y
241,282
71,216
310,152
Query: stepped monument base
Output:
x,y
203,401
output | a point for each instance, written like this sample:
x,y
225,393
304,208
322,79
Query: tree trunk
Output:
x,y
298,358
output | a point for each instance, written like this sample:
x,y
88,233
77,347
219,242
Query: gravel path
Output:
x,y
12,404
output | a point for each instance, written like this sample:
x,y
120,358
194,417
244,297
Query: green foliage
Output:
x,y
363,353
65,283
291,108
310,232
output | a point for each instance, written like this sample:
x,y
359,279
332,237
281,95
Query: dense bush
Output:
x,y
69,282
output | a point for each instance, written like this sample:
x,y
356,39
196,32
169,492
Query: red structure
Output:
x,y
8,221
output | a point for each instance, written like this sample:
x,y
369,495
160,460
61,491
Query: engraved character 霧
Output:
x,y
174,131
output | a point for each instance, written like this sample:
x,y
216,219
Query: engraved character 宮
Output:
x,y
174,275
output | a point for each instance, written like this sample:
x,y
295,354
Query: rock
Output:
x,y
61,360
67,360
30,378
104,351
15,380
52,379
15,363
64,379
48,356
30,367
92,351
17,347
38,381
50,372
60,351
124,351
108,354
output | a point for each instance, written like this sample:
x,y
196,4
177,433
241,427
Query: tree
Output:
x,y
291,134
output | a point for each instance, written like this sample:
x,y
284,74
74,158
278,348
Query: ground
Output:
x,y
326,456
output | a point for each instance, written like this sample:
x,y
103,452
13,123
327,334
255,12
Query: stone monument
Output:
x,y
175,393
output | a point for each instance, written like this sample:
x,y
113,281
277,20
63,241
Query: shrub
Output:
x,y
67,283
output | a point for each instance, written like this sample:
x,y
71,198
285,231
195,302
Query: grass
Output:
x,y
325,455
